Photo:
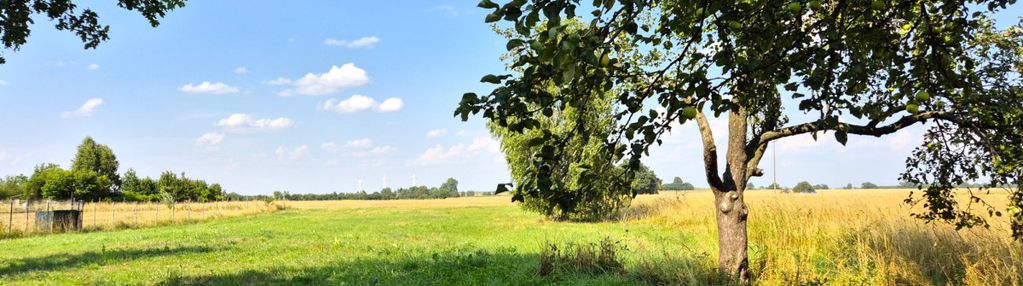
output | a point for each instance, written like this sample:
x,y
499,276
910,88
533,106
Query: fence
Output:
x,y
17,218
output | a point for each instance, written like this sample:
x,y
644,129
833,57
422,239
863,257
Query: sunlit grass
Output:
x,y
835,237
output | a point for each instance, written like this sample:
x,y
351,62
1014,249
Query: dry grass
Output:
x,y
846,237
107,216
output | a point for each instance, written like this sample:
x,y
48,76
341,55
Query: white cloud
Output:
x,y
241,120
278,81
291,154
360,143
85,110
438,155
329,146
241,70
93,66
211,88
3,83
210,139
334,80
367,42
360,103
436,133
393,104
484,144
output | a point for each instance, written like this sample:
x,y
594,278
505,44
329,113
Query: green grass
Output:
x,y
436,246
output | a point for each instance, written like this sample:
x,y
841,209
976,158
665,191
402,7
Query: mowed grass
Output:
x,y
836,237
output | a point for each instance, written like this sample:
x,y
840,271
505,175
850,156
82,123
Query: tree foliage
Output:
x,y
17,17
97,158
866,68
803,187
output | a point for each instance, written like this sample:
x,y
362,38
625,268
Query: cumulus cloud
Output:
x,y
242,120
241,70
329,146
210,139
360,143
364,42
285,153
436,133
363,147
85,110
334,80
438,154
359,103
393,104
93,66
208,87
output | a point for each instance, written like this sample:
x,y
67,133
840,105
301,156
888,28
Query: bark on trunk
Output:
x,y
732,240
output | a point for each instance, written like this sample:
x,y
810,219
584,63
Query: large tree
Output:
x,y
16,19
866,68
97,158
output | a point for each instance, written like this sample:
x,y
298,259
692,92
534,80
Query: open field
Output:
x,y
21,221
836,237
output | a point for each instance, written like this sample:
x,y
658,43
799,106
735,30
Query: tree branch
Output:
x,y
710,153
819,125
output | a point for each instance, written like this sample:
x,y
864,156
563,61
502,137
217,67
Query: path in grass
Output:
x,y
411,246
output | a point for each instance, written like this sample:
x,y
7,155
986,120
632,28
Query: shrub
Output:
x,y
591,258
803,187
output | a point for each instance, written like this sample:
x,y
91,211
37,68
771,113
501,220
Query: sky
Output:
x,y
315,98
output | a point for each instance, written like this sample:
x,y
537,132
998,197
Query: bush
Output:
x,y
868,185
803,187
592,258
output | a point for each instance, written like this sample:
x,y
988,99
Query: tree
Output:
x,y
16,18
449,188
803,187
860,68
677,180
97,158
820,187
868,185
645,181
13,186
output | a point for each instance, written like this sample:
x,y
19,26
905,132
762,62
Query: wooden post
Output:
x,y
10,219
26,215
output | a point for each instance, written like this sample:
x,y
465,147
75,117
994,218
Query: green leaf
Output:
x,y
841,136
491,79
514,43
493,17
501,188
487,4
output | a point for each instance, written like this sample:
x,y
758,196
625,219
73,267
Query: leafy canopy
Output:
x,y
16,19
855,67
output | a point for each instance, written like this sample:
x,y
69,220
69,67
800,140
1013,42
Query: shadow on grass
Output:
x,y
56,262
461,267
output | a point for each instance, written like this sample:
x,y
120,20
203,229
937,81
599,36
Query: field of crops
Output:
x,y
836,237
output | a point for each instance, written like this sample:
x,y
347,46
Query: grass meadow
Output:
x,y
839,237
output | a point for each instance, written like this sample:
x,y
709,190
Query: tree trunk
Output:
x,y
732,248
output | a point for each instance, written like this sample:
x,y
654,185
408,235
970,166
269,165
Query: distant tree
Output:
x,y
803,187
775,186
907,185
645,181
13,186
820,187
750,186
677,180
386,194
16,17
849,186
868,185
98,158
449,188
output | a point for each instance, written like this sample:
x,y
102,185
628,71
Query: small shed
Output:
x,y
59,220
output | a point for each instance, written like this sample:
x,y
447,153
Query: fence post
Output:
x,y
26,215
10,219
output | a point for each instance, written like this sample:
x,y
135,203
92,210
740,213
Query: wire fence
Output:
x,y
18,217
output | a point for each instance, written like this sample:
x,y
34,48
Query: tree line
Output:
x,y
93,176
449,189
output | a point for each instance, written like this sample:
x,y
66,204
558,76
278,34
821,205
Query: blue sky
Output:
x,y
310,98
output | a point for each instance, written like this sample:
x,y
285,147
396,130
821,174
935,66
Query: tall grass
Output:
x,y
843,237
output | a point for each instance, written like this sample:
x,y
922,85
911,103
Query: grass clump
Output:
x,y
591,258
